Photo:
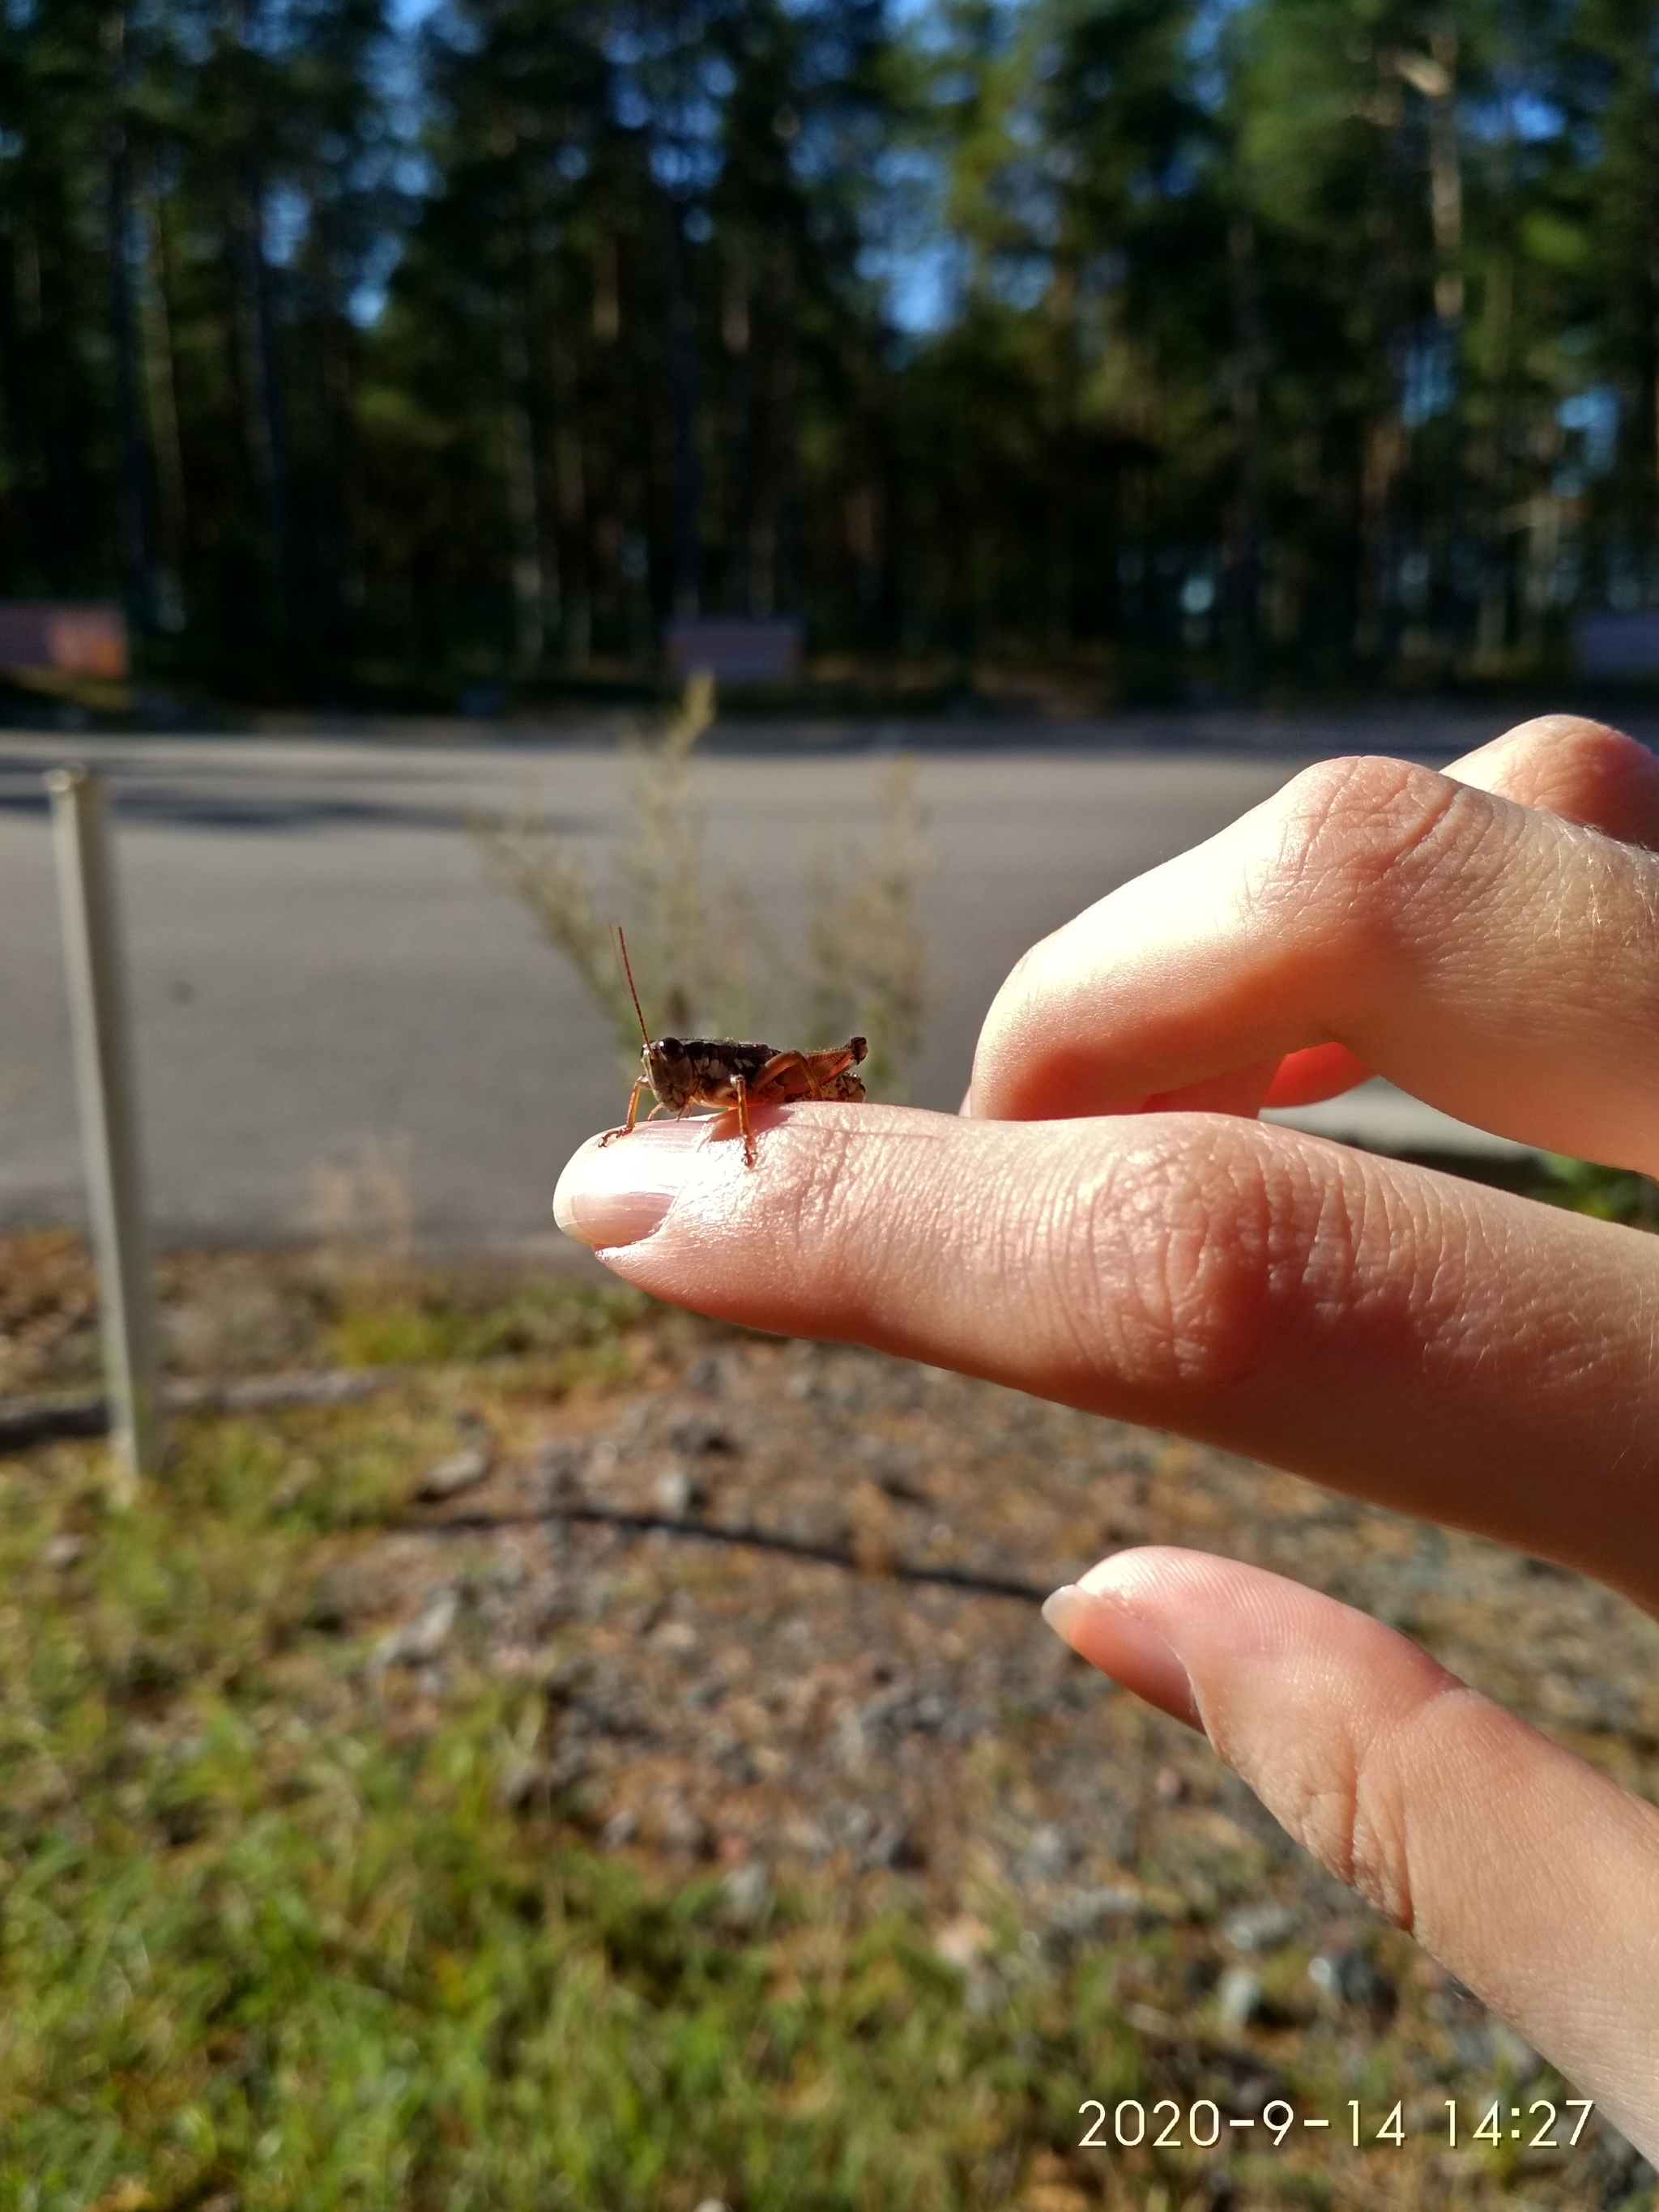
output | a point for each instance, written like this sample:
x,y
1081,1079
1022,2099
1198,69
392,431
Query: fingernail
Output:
x,y
617,1194
1100,1628
1063,1608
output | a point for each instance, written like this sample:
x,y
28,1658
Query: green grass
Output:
x,y
258,1943
273,1932
358,1985
1605,1194
401,1318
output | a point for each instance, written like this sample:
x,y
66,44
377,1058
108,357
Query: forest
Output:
x,y
365,350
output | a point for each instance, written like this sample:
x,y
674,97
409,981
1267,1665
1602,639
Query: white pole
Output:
x,y
109,1117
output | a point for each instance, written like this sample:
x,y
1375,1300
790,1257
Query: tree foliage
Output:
x,y
1317,336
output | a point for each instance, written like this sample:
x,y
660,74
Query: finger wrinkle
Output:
x,y
1285,1240
1476,1254
1169,1280
1567,885
1391,1769
842,1220
1390,1215
818,1211
1041,1234
1345,821
1350,1800
1199,1273
1359,840
1433,1313
1322,1233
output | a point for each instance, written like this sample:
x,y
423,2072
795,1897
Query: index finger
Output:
x,y
1445,1349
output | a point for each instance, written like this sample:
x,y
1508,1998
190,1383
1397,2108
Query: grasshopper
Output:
x,y
721,1072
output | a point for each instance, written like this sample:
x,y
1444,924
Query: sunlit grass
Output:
x,y
1605,1194
251,1944
401,1317
278,1932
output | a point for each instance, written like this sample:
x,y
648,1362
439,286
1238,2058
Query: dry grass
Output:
x,y
705,957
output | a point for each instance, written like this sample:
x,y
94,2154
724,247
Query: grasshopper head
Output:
x,y
672,1073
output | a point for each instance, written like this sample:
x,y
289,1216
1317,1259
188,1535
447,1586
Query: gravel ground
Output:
x,y
787,1718
781,1600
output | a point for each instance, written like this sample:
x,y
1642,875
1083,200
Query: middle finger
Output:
x,y
1499,961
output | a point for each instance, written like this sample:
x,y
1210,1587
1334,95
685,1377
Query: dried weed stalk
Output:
x,y
705,959
865,970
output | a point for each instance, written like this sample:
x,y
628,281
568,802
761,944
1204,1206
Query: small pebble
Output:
x,y
1349,1978
699,1434
462,1470
423,1637
963,1942
676,1494
1238,1997
1259,1927
1086,1909
1047,1856
747,1891
560,1466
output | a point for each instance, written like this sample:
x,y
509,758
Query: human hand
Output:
x,y
1106,1227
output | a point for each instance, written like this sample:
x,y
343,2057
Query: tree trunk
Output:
x,y
687,487
1244,552
132,486
571,475
163,395
531,594
1062,324
23,440
789,566
266,424
1446,181
346,590
740,525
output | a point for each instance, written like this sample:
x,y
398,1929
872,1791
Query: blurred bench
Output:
x,y
735,652
63,638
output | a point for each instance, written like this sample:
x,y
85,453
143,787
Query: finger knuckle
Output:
x,y
1204,1241
1356,1816
1577,741
1354,1823
1353,842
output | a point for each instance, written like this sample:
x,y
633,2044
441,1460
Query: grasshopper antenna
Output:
x,y
627,970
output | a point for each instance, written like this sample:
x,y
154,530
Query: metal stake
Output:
x,y
108,1109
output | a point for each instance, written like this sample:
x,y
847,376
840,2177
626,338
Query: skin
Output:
x,y
1106,1224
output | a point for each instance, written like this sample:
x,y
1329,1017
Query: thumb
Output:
x,y
1530,1876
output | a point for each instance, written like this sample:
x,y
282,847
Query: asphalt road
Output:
x,y
341,1020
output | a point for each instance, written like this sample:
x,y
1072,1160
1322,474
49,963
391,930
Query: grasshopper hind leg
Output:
x,y
751,1156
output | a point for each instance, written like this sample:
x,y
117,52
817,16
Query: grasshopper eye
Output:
x,y
670,1046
